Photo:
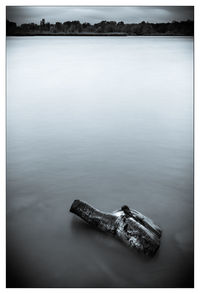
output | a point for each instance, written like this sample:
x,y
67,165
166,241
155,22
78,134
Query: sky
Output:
x,y
95,14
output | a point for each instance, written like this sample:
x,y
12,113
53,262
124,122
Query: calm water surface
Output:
x,y
108,120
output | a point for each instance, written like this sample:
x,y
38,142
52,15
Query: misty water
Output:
x,y
108,120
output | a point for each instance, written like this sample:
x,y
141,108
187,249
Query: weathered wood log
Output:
x,y
129,225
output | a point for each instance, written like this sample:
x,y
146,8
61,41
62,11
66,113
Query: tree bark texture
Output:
x,y
128,225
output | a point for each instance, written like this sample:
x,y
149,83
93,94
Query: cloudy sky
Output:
x,y
94,14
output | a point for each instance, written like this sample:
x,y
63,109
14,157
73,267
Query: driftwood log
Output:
x,y
129,225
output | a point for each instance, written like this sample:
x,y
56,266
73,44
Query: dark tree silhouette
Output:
x,y
183,28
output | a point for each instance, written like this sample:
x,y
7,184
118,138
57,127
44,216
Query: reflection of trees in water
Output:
x,y
143,28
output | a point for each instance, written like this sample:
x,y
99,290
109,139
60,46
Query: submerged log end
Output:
x,y
75,205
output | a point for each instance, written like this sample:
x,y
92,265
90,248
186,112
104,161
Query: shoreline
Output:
x,y
96,35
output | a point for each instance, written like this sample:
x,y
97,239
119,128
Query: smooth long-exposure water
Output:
x,y
108,120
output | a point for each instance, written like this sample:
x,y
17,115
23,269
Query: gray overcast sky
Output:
x,y
94,14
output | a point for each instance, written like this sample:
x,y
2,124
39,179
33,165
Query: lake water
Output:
x,y
108,120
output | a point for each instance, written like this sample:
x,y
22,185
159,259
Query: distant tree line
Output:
x,y
185,28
